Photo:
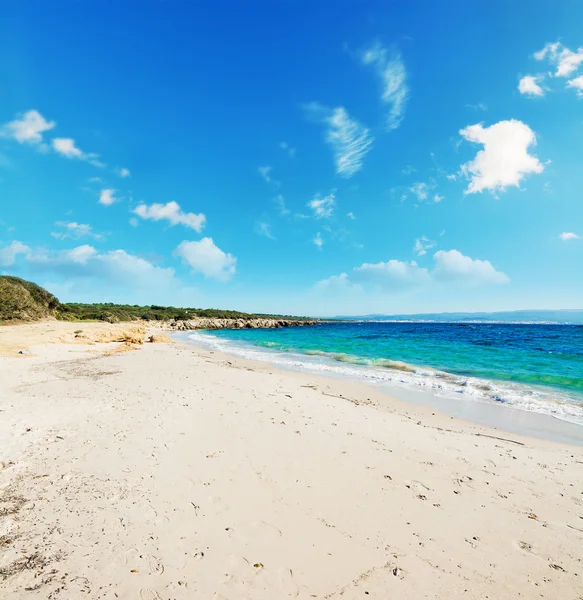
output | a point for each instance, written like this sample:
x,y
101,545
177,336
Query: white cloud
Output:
x,y
504,160
66,147
421,246
172,213
318,241
74,231
408,170
351,216
393,75
206,258
568,235
27,128
528,85
107,197
576,84
566,61
264,229
322,207
265,172
350,141
437,198
395,275
453,265
9,253
421,190
279,201
123,172
287,148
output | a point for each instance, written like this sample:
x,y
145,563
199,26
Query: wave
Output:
x,y
385,372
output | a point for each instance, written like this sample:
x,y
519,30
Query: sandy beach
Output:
x,y
171,472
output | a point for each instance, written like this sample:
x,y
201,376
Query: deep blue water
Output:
x,y
532,366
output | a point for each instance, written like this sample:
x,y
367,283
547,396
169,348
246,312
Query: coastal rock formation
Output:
x,y
265,323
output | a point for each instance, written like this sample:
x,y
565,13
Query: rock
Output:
x,y
27,352
256,323
159,338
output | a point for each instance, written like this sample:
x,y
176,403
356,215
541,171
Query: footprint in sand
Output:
x,y
147,594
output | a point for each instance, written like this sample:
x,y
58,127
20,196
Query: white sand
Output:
x,y
174,473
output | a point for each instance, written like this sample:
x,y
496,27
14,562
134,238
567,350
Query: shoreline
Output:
x,y
173,472
503,417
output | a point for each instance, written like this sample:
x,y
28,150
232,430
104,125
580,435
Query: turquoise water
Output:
x,y
530,366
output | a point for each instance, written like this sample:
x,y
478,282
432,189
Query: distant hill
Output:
x,y
574,316
23,300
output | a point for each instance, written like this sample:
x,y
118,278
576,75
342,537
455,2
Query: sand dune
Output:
x,y
175,473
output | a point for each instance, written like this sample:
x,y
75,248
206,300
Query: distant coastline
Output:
x,y
515,317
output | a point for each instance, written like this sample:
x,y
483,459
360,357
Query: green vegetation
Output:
x,y
130,312
26,301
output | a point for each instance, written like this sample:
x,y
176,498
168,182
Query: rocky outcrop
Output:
x,y
208,323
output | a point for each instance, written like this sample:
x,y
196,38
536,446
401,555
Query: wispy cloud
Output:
x,y
351,216
393,75
423,244
504,161
265,172
75,231
318,241
66,147
350,140
27,128
322,207
172,213
282,208
264,229
289,150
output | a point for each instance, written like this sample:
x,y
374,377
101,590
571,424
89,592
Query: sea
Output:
x,y
531,367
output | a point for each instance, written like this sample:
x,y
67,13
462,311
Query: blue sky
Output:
x,y
295,157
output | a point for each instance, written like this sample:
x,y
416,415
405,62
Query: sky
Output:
x,y
294,157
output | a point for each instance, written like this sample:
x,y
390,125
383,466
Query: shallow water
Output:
x,y
533,367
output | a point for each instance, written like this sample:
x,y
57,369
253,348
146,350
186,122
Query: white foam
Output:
x,y
439,383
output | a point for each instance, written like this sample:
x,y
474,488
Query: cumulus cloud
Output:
x,y
350,141
393,75
566,61
107,197
421,190
528,86
318,241
569,235
172,213
27,128
453,265
123,172
504,161
322,207
576,84
206,258
74,231
115,267
395,275
9,253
